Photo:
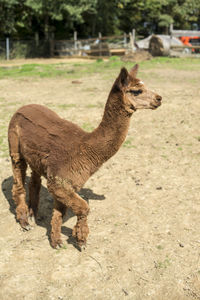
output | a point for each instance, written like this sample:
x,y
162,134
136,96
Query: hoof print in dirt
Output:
x,y
27,228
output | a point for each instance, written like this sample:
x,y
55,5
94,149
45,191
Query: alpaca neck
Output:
x,y
112,130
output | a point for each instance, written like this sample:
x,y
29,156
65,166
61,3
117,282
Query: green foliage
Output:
x,y
189,11
28,18
8,13
99,60
165,21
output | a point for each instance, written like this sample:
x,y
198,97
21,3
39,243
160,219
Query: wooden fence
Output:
x,y
99,46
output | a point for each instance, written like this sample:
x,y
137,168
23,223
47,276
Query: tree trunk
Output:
x,y
46,27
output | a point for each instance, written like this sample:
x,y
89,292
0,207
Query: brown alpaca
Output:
x,y
66,155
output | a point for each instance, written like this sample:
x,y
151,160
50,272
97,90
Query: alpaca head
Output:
x,y
135,94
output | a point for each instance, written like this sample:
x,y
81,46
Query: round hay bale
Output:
x,y
159,45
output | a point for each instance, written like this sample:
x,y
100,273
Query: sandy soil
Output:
x,y
19,62
144,240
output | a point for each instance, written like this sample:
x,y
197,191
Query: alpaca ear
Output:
x,y
123,78
134,70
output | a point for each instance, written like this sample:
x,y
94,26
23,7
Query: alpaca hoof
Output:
x,y
82,244
57,244
80,233
23,221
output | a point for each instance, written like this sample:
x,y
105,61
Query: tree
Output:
x,y
187,13
8,16
25,18
165,21
47,13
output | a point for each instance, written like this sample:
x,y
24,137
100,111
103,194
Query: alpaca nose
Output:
x,y
158,98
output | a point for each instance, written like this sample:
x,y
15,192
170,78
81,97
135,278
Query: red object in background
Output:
x,y
191,41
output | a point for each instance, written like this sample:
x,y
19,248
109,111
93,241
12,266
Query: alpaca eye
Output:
x,y
136,92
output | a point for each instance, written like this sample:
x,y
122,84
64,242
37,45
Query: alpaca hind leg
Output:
x,y
34,194
56,223
19,167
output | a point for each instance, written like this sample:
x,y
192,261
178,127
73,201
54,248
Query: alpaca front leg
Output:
x,y
80,208
56,223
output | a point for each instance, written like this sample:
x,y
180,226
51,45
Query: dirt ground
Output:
x,y
19,62
144,240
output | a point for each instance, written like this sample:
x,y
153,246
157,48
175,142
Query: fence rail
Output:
x,y
184,47
191,33
99,46
178,33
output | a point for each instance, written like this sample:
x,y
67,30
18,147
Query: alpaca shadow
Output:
x,y
46,207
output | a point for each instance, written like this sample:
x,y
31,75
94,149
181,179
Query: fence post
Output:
x,y
100,45
75,41
7,49
133,34
171,28
125,40
131,41
171,35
